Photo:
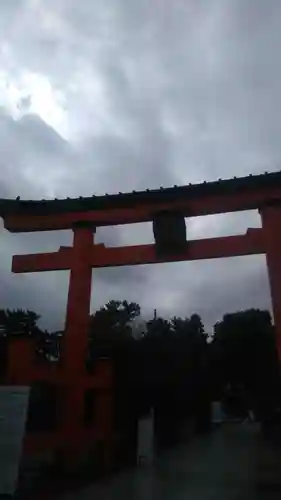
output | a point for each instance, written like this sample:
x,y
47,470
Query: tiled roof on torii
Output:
x,y
129,200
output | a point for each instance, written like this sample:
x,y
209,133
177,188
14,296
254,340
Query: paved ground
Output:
x,y
230,464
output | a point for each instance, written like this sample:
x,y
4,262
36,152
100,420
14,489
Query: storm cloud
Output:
x,y
101,97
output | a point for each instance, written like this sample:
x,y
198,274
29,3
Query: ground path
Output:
x,y
230,464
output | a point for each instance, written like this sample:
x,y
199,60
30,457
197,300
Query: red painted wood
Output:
x,y
20,362
101,256
75,342
53,261
70,373
196,250
271,223
205,205
78,304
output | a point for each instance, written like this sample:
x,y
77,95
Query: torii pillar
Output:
x,y
271,224
77,329
71,375
79,298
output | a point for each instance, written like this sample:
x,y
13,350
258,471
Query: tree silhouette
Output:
x,y
113,321
244,345
19,322
170,367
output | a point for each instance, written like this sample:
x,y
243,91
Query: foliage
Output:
x,y
113,321
171,367
245,356
18,322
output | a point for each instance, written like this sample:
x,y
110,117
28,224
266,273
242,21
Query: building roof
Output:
x,y
129,200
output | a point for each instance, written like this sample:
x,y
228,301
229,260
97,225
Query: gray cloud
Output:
x,y
104,98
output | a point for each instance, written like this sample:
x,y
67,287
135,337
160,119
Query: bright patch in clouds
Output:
x,y
84,93
33,93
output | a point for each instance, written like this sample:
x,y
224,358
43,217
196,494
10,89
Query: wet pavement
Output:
x,y
233,463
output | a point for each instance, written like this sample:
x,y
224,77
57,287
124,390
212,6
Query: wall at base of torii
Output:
x,y
24,369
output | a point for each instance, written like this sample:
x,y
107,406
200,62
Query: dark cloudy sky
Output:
x,y
106,96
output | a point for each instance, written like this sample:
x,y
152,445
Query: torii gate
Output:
x,y
84,215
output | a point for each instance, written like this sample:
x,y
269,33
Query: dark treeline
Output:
x,y
171,365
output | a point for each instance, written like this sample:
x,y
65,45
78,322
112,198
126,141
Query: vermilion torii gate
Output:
x,y
84,215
